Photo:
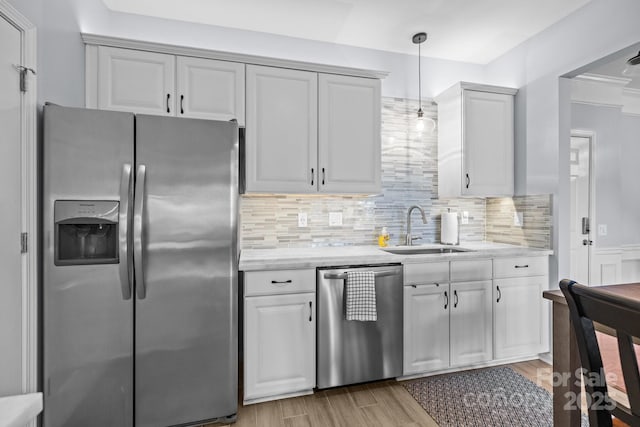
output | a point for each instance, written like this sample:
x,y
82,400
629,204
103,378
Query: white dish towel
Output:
x,y
360,288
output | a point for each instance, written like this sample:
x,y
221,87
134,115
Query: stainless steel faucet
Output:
x,y
409,240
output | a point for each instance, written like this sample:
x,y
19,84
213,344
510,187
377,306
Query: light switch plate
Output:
x,y
602,229
302,219
335,219
465,218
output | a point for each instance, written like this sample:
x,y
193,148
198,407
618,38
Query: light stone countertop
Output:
x,y
298,258
17,411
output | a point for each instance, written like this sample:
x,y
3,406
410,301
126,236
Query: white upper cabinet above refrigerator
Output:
x,y
476,141
136,81
163,84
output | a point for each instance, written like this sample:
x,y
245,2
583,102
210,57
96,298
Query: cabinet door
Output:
x,y
209,89
279,345
487,144
426,328
349,134
136,81
518,311
471,323
282,130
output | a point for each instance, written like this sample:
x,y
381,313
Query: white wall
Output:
x,y
544,116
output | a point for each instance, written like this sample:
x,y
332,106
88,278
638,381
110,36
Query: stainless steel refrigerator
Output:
x,y
139,268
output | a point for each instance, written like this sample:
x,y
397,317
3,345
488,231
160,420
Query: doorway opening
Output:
x,y
582,184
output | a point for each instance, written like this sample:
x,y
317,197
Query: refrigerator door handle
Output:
x,y
124,217
138,214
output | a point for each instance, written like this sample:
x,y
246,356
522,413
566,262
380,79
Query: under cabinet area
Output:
x,y
163,84
279,334
476,141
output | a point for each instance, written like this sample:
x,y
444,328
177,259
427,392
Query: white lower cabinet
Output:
x,y
519,313
471,334
279,333
426,328
474,312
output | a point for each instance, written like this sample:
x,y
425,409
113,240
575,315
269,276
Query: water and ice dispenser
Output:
x,y
86,232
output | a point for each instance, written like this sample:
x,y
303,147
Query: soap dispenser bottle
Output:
x,y
383,238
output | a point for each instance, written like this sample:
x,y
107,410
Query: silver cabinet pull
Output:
x,y
499,294
124,217
468,180
281,282
455,301
312,176
181,104
323,176
446,300
168,98
138,215
310,311
522,266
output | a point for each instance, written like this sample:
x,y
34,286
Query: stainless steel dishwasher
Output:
x,y
352,352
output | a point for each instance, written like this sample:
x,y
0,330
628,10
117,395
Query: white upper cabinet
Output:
x,y
476,141
210,89
162,84
310,132
134,80
282,130
349,134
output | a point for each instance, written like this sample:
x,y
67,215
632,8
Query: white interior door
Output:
x,y
580,181
11,213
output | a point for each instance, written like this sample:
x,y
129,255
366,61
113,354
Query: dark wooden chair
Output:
x,y
586,306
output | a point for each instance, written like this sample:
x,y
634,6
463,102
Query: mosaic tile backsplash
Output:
x,y
409,177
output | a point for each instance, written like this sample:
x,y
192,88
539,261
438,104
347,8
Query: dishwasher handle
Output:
x,y
343,276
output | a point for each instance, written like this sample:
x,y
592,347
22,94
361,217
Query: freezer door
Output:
x,y
87,319
186,270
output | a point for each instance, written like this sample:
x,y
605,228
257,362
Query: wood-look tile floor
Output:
x,y
384,403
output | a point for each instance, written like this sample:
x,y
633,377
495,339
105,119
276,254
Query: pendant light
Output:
x,y
418,39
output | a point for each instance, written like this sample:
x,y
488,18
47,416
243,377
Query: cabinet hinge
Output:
x,y
23,76
24,238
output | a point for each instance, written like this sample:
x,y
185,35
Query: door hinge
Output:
x,y
23,76
24,238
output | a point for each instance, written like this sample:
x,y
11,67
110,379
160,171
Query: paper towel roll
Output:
x,y
449,228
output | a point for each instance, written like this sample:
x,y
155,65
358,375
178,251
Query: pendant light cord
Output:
x,y
419,78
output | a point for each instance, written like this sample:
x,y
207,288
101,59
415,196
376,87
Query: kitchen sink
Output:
x,y
417,250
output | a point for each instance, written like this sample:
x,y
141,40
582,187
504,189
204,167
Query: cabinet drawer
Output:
x,y
419,274
520,267
279,282
471,270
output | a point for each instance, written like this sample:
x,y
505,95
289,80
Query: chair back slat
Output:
x,y
629,364
587,305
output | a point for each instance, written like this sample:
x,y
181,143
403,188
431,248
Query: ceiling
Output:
x,y
460,30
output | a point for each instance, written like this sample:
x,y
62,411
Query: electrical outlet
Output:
x,y
302,219
465,218
602,229
518,219
335,219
